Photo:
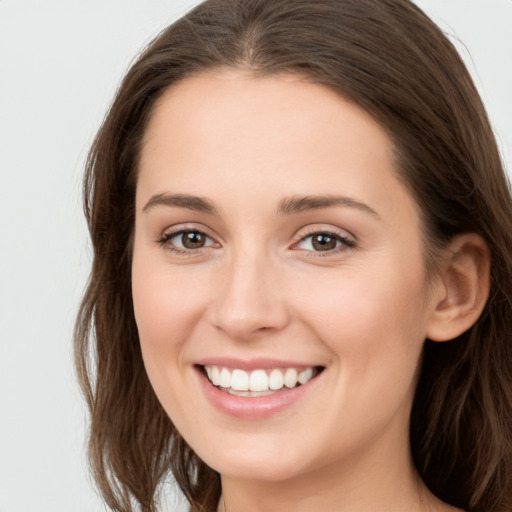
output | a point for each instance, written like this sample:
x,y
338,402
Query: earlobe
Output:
x,y
464,288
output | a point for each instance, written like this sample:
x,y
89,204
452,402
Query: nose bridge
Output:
x,y
249,300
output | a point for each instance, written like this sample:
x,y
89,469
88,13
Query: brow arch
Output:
x,y
299,204
190,202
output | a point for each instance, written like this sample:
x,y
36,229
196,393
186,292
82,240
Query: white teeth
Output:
x,y
239,381
258,382
225,378
248,393
215,378
290,378
276,380
305,375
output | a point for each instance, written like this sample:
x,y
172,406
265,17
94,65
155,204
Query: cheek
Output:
x,y
373,321
167,308
363,301
374,328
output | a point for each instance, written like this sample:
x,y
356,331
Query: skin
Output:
x,y
258,288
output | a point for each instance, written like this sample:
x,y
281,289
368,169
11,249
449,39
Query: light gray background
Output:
x,y
60,63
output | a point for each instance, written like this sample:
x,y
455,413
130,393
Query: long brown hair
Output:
x,y
390,59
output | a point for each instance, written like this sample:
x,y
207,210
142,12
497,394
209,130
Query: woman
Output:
x,y
301,296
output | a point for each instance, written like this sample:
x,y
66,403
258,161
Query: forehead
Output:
x,y
226,133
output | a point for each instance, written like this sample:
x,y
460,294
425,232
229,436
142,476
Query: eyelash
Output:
x,y
344,243
166,238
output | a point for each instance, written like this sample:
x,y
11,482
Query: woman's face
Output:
x,y
273,240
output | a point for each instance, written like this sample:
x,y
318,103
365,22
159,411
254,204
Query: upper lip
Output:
x,y
253,364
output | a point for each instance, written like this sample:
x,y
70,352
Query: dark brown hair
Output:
x,y
390,59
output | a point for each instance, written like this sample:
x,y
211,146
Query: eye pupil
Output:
x,y
193,240
323,242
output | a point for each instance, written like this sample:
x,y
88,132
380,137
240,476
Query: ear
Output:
x,y
462,287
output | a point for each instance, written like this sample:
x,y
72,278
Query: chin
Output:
x,y
257,463
262,471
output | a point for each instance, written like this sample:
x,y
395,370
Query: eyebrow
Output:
x,y
289,206
198,204
299,204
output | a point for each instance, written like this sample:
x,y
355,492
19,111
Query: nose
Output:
x,y
250,299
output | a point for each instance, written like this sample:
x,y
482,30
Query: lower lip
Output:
x,y
254,407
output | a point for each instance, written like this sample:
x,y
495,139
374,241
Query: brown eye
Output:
x,y
323,242
193,239
186,240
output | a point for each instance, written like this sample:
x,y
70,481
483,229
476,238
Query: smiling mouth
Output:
x,y
260,382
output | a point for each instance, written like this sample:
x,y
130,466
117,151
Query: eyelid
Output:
x,y
348,241
173,231
188,226
327,229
